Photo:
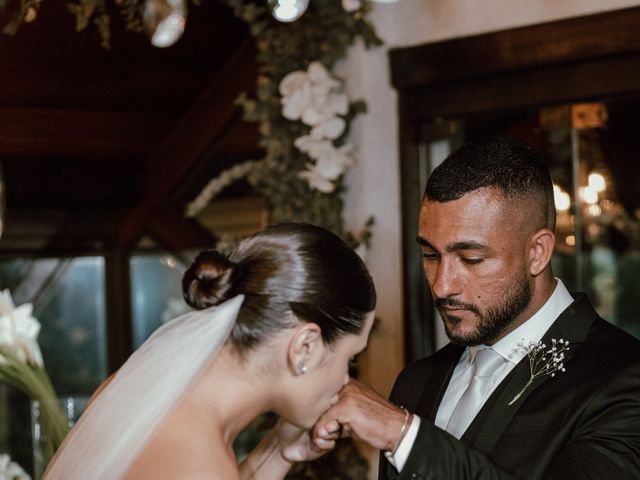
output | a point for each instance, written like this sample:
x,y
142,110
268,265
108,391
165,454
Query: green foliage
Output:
x,y
323,33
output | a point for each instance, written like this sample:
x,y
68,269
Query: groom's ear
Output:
x,y
305,348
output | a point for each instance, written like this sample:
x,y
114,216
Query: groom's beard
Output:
x,y
492,321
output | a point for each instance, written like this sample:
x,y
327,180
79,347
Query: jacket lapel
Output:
x,y
496,414
437,381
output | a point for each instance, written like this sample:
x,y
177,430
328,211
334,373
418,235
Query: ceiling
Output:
x,y
102,147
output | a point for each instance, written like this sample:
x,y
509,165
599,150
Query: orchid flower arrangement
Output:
x,y
315,98
22,366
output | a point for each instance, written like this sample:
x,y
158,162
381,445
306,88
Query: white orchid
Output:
x,y
315,98
334,163
19,330
330,162
11,470
312,96
317,181
331,128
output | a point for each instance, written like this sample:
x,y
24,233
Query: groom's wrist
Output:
x,y
401,455
392,445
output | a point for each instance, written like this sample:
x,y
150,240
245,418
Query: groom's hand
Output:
x,y
363,414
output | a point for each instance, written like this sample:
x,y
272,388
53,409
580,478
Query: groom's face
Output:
x,y
475,259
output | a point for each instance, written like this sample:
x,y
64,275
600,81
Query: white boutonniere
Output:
x,y
543,360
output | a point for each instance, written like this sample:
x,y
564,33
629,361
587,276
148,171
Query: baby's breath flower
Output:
x,y
543,360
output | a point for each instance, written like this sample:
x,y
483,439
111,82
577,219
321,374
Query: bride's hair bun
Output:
x,y
210,280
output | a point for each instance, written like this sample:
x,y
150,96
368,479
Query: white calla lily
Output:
x,y
21,365
11,470
19,330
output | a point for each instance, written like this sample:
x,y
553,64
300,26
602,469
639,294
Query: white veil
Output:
x,y
112,432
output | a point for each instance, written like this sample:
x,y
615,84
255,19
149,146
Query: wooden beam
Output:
x,y
25,131
196,133
176,233
574,39
571,82
122,89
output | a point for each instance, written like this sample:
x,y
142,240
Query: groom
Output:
x,y
480,408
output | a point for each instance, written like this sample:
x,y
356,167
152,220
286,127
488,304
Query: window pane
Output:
x,y
68,297
156,293
591,150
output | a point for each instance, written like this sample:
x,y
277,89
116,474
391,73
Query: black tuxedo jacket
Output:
x,y
580,424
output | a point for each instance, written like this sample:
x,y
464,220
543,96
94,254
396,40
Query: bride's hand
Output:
x,y
295,444
284,445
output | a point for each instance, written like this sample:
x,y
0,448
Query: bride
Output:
x,y
275,326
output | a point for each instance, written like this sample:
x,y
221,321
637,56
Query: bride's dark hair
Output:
x,y
294,267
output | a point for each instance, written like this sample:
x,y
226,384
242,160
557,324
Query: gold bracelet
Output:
x,y
403,431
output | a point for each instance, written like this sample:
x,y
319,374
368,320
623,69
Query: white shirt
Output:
x,y
530,331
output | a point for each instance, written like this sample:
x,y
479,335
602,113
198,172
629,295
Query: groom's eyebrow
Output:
x,y
423,241
455,246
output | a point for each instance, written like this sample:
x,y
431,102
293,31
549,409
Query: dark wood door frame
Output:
x,y
573,60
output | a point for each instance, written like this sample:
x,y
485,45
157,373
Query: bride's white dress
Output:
x,y
112,432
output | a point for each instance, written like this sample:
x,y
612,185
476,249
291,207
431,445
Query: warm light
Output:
x,y
589,195
164,21
597,182
170,262
570,240
594,210
287,10
561,199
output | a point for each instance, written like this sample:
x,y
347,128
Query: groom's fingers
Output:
x,y
364,414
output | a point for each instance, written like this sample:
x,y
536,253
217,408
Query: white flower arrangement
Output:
x,y
316,99
11,470
19,331
216,185
21,365
543,360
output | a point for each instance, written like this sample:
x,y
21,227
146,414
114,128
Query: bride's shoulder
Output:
x,y
180,452
168,462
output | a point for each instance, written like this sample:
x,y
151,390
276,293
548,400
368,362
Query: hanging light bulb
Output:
x,y
164,21
287,10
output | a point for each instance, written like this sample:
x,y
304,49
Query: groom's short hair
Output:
x,y
499,162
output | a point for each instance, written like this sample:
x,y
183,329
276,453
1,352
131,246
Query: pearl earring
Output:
x,y
302,369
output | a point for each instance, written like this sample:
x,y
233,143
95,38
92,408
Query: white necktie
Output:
x,y
486,362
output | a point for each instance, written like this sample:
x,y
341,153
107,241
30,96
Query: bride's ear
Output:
x,y
306,348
